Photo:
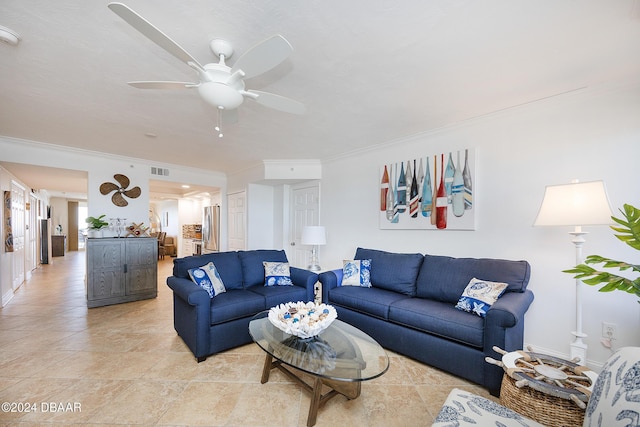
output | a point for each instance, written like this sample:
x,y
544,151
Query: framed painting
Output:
x,y
8,232
430,192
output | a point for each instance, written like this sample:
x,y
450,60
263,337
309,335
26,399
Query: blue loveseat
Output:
x,y
211,325
410,309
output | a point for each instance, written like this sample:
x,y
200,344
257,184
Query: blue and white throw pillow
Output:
x,y
479,296
277,274
356,273
208,278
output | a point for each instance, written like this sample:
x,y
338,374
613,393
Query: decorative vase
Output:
x,y
95,234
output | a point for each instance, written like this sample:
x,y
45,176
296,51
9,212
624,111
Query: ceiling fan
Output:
x,y
219,85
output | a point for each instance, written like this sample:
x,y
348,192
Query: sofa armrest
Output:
x,y
191,314
329,280
504,328
305,279
509,309
188,291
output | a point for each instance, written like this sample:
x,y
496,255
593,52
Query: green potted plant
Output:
x,y
628,230
96,225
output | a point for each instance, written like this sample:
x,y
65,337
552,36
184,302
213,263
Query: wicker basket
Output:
x,y
548,410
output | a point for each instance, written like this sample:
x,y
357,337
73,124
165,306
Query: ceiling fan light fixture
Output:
x,y
220,95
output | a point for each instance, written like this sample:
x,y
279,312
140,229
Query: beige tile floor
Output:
x,y
125,365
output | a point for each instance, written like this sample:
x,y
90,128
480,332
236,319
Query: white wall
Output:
x,y
169,207
59,214
591,135
260,216
267,188
137,210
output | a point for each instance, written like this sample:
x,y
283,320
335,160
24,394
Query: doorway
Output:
x,y
237,220
305,210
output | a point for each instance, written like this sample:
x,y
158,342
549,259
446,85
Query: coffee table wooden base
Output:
x,y
349,389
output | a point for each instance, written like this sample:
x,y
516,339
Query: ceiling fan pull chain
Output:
x,y
218,127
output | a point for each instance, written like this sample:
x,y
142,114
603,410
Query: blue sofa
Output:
x,y
211,325
410,309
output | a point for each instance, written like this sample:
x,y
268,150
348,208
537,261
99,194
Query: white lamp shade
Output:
x,y
314,235
575,204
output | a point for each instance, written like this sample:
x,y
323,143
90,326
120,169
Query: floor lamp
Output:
x,y
576,204
314,235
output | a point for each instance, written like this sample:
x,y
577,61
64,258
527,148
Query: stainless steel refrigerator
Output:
x,y
211,229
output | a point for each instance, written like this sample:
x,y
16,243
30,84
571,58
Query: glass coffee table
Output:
x,y
341,357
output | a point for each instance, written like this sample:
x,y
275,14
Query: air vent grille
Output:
x,y
159,171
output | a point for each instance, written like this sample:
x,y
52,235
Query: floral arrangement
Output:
x,y
302,319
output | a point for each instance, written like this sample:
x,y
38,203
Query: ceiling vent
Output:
x,y
159,171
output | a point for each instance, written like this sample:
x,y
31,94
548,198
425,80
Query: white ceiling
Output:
x,y
369,71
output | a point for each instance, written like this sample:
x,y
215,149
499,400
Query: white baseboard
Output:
x,y
592,364
7,297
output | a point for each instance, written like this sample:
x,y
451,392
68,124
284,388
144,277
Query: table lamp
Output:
x,y
576,204
314,235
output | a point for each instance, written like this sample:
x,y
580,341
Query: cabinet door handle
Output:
x,y
125,268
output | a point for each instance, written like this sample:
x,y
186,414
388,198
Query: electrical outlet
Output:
x,y
609,330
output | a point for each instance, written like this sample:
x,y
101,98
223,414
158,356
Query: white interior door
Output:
x,y
305,210
237,220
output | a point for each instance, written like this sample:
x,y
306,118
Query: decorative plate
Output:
x,y
302,319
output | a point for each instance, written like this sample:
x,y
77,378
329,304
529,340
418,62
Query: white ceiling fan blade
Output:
x,y
153,34
277,102
263,56
163,85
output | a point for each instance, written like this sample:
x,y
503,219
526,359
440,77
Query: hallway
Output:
x,y
124,364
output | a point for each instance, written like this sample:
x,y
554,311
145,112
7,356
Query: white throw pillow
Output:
x,y
208,278
356,273
277,274
479,296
